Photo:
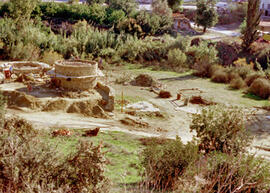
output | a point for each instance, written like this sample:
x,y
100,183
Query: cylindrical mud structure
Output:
x,y
77,74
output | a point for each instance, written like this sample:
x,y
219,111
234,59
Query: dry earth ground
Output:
x,y
175,121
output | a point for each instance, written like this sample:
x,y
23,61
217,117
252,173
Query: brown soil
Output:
x,y
144,80
91,132
164,94
200,101
56,105
133,122
20,99
87,108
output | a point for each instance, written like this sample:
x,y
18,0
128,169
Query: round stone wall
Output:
x,y
76,68
78,83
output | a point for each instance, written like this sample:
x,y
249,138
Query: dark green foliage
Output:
x,y
206,14
90,2
175,4
20,10
220,129
114,16
129,26
128,6
165,163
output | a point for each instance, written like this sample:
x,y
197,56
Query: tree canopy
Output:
x,y
206,15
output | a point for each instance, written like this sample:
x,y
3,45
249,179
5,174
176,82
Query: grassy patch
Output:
x,y
122,151
139,69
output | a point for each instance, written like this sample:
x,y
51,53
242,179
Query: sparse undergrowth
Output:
x,y
215,162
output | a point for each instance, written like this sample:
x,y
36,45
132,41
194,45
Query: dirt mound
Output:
x,y
19,99
144,80
91,133
164,94
56,105
87,108
200,101
132,122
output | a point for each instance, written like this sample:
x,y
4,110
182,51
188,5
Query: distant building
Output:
x,y
265,7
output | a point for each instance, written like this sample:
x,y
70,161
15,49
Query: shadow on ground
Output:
x,y
181,78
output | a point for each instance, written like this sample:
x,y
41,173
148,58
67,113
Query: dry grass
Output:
x,y
260,87
220,76
250,78
237,83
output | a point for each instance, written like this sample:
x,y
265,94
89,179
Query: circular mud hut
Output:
x,y
76,74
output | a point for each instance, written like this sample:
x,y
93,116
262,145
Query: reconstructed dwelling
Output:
x,y
76,74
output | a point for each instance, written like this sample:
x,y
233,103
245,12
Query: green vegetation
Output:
x,y
215,161
206,14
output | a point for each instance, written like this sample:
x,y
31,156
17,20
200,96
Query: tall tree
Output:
x,y
206,15
250,32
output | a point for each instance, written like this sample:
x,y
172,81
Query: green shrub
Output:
x,y
220,128
115,16
26,43
201,58
182,43
128,6
97,13
260,87
165,163
30,164
130,26
177,59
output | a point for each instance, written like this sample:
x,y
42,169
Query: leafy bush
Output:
x,y
30,164
177,59
220,129
128,6
165,163
26,43
202,57
130,26
260,87
150,23
114,16
227,53
98,13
